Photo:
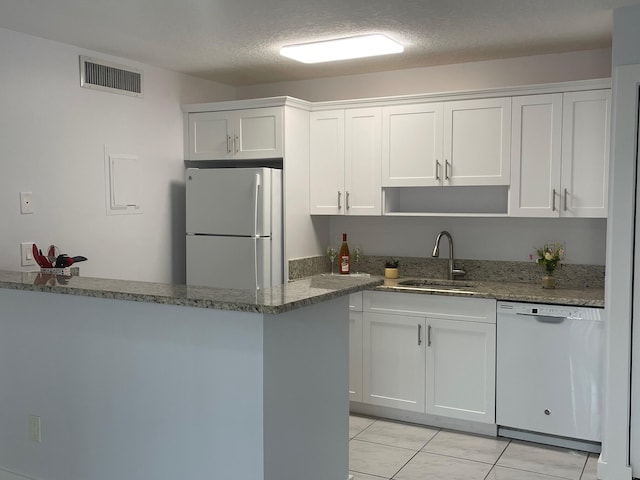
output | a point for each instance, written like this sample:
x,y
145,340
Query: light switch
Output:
x,y
26,254
26,202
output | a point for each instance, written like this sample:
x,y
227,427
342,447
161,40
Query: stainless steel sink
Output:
x,y
422,282
430,285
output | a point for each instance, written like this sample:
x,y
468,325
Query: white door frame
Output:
x,y
619,292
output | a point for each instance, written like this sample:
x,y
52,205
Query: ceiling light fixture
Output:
x,y
342,49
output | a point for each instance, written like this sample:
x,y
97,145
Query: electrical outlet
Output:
x,y
35,434
26,202
26,254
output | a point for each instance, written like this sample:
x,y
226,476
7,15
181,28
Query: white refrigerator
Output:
x,y
234,227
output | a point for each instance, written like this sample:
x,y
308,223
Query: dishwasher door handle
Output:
x,y
544,318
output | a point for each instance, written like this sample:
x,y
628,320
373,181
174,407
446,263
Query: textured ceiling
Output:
x,y
237,41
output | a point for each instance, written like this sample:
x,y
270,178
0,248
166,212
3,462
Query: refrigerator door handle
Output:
x,y
255,230
255,206
255,261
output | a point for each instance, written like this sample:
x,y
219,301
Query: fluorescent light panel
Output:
x,y
342,49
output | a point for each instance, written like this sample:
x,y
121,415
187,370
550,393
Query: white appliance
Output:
x,y
549,370
234,227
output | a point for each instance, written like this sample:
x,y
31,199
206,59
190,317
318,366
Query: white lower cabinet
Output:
x,y
430,354
461,363
393,366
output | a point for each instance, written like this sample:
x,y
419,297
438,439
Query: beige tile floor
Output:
x,y
380,449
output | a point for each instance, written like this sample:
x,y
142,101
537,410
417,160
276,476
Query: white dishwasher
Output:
x,y
549,369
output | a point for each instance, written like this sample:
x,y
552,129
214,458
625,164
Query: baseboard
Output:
x,y
7,475
571,443
468,426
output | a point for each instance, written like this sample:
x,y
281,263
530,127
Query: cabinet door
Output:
x,y
412,145
536,150
394,361
585,153
461,369
210,136
326,169
363,149
355,356
258,133
477,138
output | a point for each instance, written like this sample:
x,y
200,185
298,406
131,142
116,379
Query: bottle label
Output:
x,y
344,264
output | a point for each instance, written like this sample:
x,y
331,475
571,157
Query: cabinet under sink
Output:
x,y
427,354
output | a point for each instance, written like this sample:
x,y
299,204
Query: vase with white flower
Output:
x,y
549,256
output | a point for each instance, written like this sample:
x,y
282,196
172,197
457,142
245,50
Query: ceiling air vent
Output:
x,y
110,77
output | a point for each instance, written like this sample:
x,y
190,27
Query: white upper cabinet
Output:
x,y
477,137
463,142
345,155
536,153
585,153
560,153
412,145
326,156
239,134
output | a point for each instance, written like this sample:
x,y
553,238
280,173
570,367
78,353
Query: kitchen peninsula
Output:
x,y
106,379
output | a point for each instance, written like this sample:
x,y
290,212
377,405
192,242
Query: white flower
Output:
x,y
548,256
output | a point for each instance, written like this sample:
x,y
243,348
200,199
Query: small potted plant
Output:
x,y
391,268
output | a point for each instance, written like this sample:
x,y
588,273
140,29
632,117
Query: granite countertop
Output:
x,y
275,300
290,296
512,291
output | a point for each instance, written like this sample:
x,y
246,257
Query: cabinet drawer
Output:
x,y
458,308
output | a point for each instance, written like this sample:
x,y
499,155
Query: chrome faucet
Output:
x,y
451,272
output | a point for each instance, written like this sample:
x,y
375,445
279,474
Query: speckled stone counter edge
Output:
x,y
279,299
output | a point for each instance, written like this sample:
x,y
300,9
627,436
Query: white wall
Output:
x,y
52,138
445,78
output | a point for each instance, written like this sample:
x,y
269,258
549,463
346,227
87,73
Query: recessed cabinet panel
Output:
x,y
477,136
362,162
412,145
209,135
536,155
394,361
326,174
585,153
259,133
461,369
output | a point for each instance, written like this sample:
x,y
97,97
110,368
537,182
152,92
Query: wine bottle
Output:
x,y
345,256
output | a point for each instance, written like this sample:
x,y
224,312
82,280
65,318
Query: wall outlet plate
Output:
x,y
26,202
26,254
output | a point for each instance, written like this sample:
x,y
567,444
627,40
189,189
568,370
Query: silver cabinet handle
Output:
x,y
437,170
419,334
236,143
228,143
339,200
446,170
347,202
564,207
429,336
553,200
